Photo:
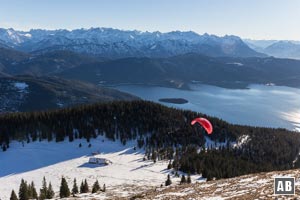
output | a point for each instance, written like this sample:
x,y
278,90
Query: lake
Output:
x,y
260,105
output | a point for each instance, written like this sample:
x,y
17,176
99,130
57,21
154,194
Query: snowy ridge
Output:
x,y
123,43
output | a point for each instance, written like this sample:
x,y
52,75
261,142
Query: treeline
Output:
x,y
28,191
117,120
164,133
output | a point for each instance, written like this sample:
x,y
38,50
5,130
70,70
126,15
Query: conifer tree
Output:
x,y
104,188
49,137
154,156
183,180
23,193
189,179
71,137
64,189
170,165
85,187
43,190
168,181
81,187
96,187
13,196
50,192
33,191
75,188
29,191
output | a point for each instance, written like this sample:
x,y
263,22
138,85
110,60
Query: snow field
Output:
x,y
54,160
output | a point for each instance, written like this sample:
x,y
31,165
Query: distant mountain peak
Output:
x,y
276,48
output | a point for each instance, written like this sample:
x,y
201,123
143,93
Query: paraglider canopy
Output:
x,y
204,123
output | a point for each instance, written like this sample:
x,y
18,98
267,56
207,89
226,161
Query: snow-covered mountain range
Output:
x,y
276,48
108,42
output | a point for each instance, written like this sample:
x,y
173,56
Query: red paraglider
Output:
x,y
204,123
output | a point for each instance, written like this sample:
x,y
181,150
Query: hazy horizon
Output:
x,y
256,19
27,30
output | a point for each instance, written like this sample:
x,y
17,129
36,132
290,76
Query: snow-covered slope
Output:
x,y
127,177
128,173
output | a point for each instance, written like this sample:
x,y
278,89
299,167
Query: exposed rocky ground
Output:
x,y
254,186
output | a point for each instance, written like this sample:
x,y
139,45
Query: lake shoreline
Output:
x,y
259,105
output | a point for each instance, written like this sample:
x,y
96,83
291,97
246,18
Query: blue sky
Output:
x,y
256,19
